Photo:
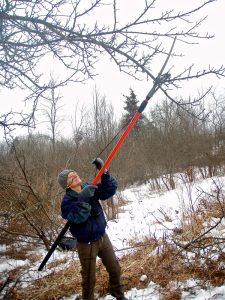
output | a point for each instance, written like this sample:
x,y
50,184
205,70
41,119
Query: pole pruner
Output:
x,y
158,81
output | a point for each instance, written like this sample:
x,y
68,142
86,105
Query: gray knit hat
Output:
x,y
62,178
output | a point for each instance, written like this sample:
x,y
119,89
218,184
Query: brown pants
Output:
x,y
87,255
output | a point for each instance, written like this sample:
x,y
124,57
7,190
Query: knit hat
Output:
x,y
62,178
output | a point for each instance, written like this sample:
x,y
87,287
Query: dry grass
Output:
x,y
17,252
161,269
166,266
53,286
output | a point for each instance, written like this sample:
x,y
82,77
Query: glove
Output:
x,y
88,191
98,162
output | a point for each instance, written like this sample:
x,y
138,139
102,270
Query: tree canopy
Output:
x,y
74,37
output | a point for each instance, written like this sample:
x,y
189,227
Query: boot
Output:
x,y
119,298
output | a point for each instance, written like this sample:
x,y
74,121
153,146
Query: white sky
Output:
x,y
113,84
137,220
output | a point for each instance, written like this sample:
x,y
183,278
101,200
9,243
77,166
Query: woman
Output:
x,y
81,207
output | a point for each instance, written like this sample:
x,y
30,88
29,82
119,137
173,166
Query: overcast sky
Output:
x,y
113,84
207,52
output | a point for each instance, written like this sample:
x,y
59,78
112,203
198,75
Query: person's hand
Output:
x,y
88,191
98,162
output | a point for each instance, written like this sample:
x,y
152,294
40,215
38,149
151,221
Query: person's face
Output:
x,y
73,180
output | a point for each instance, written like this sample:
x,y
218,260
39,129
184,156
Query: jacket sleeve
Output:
x,y
107,187
75,211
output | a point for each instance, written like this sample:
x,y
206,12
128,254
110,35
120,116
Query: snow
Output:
x,y
139,218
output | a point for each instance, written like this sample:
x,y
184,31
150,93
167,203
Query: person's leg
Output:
x,y
110,261
87,254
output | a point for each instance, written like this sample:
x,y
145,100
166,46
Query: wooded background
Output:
x,y
163,143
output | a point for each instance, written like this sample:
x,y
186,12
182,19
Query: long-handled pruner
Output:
x,y
159,80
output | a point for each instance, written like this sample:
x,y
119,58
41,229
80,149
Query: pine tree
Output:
x,y
131,106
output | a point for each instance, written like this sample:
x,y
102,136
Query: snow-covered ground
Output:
x,y
140,218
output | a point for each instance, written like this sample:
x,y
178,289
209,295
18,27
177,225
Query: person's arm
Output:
x,y
75,211
107,187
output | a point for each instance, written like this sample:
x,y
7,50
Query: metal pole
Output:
x,y
54,245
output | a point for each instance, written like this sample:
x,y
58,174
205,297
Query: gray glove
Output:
x,y
88,191
98,162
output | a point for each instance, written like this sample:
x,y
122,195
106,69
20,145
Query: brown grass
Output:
x,y
161,269
167,266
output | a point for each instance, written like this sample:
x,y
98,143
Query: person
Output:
x,y
81,207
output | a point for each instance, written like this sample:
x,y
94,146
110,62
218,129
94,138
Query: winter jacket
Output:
x,y
85,214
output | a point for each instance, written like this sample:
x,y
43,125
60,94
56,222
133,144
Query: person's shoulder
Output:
x,y
88,182
66,197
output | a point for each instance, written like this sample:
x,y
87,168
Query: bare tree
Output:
x,y
78,125
95,130
29,192
51,110
33,30
217,119
104,125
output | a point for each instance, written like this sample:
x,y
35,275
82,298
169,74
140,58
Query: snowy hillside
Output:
x,y
146,214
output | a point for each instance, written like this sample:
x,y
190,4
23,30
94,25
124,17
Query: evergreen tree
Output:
x,y
131,106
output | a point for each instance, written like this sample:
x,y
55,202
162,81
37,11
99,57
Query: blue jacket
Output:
x,y
85,214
